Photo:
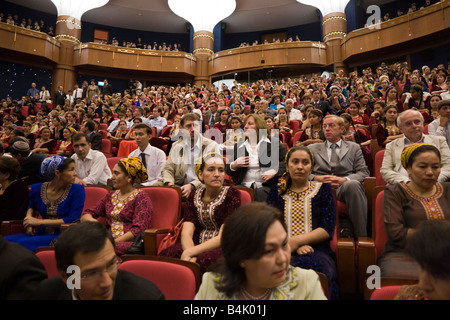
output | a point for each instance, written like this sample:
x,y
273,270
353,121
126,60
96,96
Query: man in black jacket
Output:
x,y
94,138
107,88
88,269
59,97
30,163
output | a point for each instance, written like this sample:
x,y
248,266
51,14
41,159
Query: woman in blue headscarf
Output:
x,y
51,203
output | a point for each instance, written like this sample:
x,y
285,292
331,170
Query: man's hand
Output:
x,y
240,162
186,190
335,182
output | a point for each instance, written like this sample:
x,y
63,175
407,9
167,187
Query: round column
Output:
x,y
334,31
203,49
68,33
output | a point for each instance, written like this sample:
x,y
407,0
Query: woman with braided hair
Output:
x,y
309,211
206,210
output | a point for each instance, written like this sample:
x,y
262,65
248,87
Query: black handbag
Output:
x,y
138,245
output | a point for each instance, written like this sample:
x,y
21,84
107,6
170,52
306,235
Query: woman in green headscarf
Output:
x,y
128,211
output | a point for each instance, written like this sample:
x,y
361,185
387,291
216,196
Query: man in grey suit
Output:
x,y
341,164
411,123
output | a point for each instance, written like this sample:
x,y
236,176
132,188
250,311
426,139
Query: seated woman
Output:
x,y
206,210
44,143
393,98
309,211
256,261
254,165
223,124
235,134
419,100
434,103
406,205
57,126
377,114
128,211
130,134
313,133
119,134
434,273
360,120
65,147
387,130
13,192
282,122
58,201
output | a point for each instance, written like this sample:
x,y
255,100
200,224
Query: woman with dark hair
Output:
x,y
128,210
313,133
434,262
419,100
407,204
44,143
58,201
65,147
13,191
205,212
393,98
223,124
256,261
387,130
309,211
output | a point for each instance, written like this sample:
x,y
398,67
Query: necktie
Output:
x,y
334,159
212,120
143,160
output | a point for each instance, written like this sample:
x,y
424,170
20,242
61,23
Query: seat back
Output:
x,y
246,194
112,162
294,125
166,203
103,126
385,293
380,236
176,281
94,195
47,257
377,166
296,137
107,148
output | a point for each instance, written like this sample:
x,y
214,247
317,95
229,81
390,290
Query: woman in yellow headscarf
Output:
x,y
407,204
128,211
65,147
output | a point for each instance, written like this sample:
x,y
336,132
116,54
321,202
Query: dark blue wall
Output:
x,y
16,79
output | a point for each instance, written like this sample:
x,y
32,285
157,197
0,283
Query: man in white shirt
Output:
x,y
441,125
91,166
157,121
153,158
294,114
77,93
411,123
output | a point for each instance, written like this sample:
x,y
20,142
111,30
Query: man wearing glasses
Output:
x,y
88,269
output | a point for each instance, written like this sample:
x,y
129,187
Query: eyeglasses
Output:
x,y
94,276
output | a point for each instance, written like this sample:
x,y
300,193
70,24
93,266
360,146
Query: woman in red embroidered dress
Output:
x,y
128,211
407,204
206,210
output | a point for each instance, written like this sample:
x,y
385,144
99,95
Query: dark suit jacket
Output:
x,y
107,90
351,161
324,106
207,118
29,170
96,141
128,286
265,153
59,98
21,271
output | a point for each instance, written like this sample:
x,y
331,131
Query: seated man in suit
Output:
x,y
21,271
411,123
94,138
179,169
341,163
88,269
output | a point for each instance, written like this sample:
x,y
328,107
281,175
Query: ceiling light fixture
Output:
x,y
203,15
327,6
77,8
